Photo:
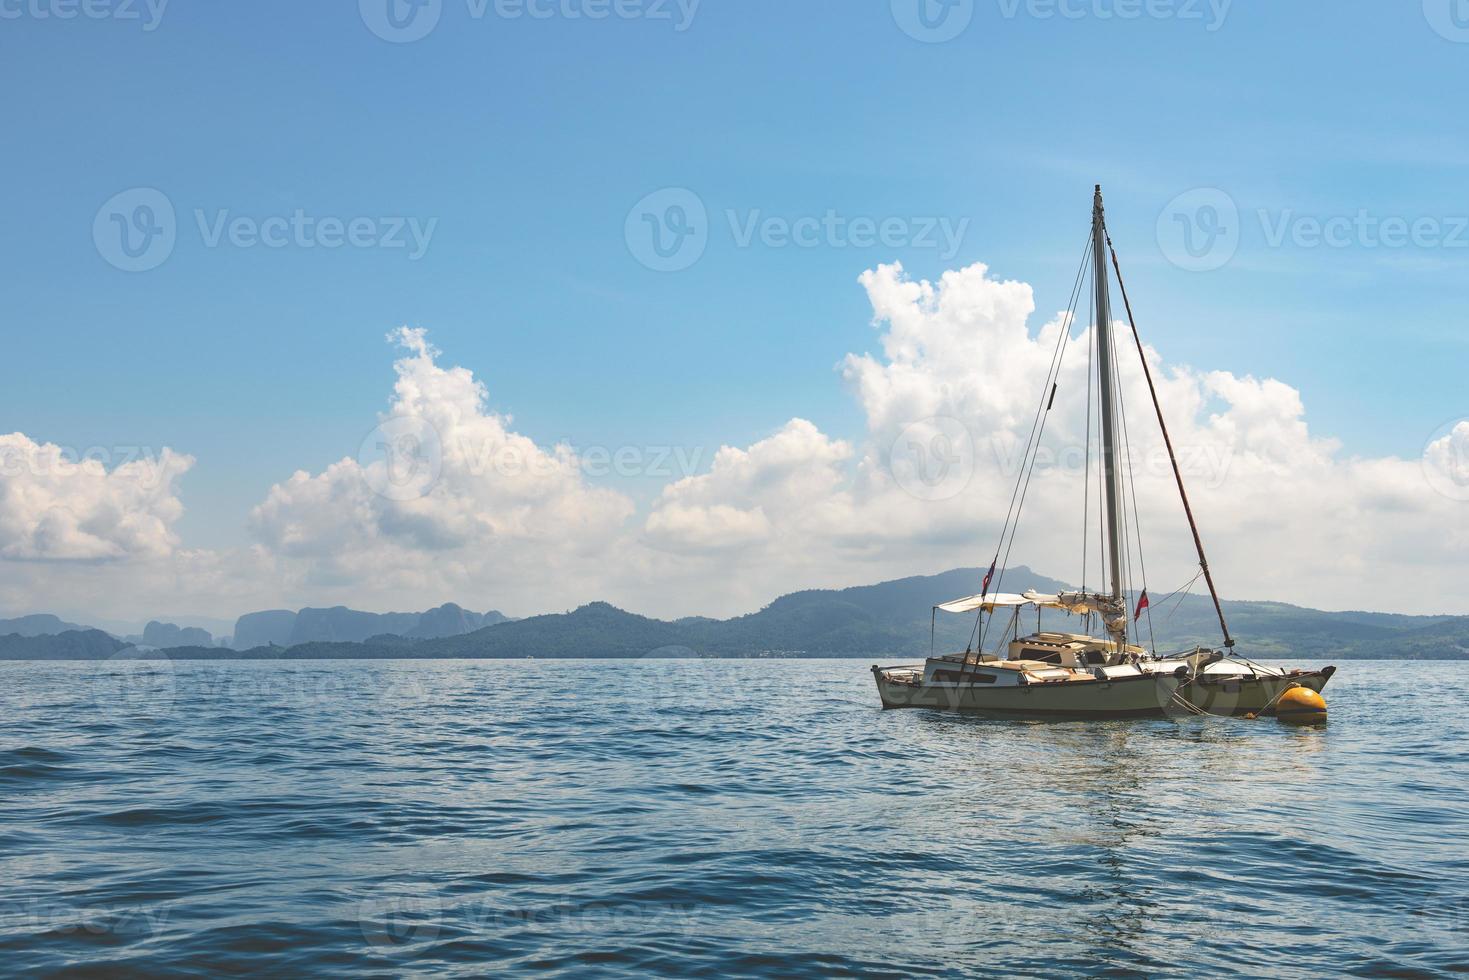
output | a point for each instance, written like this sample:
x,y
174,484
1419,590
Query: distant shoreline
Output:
x,y
133,655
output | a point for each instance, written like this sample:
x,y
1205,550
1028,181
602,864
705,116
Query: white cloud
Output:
x,y
497,520
1284,513
500,513
794,481
61,505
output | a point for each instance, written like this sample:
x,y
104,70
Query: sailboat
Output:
x,y
1078,674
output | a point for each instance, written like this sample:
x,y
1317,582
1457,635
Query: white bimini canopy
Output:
x,y
1079,603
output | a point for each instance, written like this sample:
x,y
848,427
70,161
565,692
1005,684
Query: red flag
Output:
x,y
984,589
1142,603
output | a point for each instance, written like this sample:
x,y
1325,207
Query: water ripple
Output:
x,y
675,818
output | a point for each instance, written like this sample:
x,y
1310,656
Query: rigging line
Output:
x,y
1123,537
1059,358
1137,528
1086,480
1177,605
1033,442
1037,424
1168,441
1182,588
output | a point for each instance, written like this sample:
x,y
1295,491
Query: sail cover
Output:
x,y
988,602
1079,603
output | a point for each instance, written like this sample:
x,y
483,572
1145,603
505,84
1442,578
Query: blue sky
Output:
x,y
529,139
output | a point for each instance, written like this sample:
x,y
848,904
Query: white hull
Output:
x,y
1135,696
1149,689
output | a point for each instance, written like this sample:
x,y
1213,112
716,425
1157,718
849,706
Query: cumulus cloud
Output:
x,y
443,495
959,379
445,500
61,505
794,480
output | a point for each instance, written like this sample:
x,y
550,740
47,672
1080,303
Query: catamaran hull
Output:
x,y
1139,697
1248,695
1142,697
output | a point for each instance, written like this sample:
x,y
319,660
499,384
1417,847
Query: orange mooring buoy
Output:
x,y
1301,706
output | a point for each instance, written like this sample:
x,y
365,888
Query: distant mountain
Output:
x,y
594,630
281,627
68,645
892,620
263,629
889,622
167,635
41,624
451,620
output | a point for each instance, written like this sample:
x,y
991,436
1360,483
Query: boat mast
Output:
x,y
1112,472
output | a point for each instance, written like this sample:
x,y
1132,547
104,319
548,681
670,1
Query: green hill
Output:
x,y
889,622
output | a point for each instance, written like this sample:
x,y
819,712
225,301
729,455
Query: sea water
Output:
x,y
712,818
